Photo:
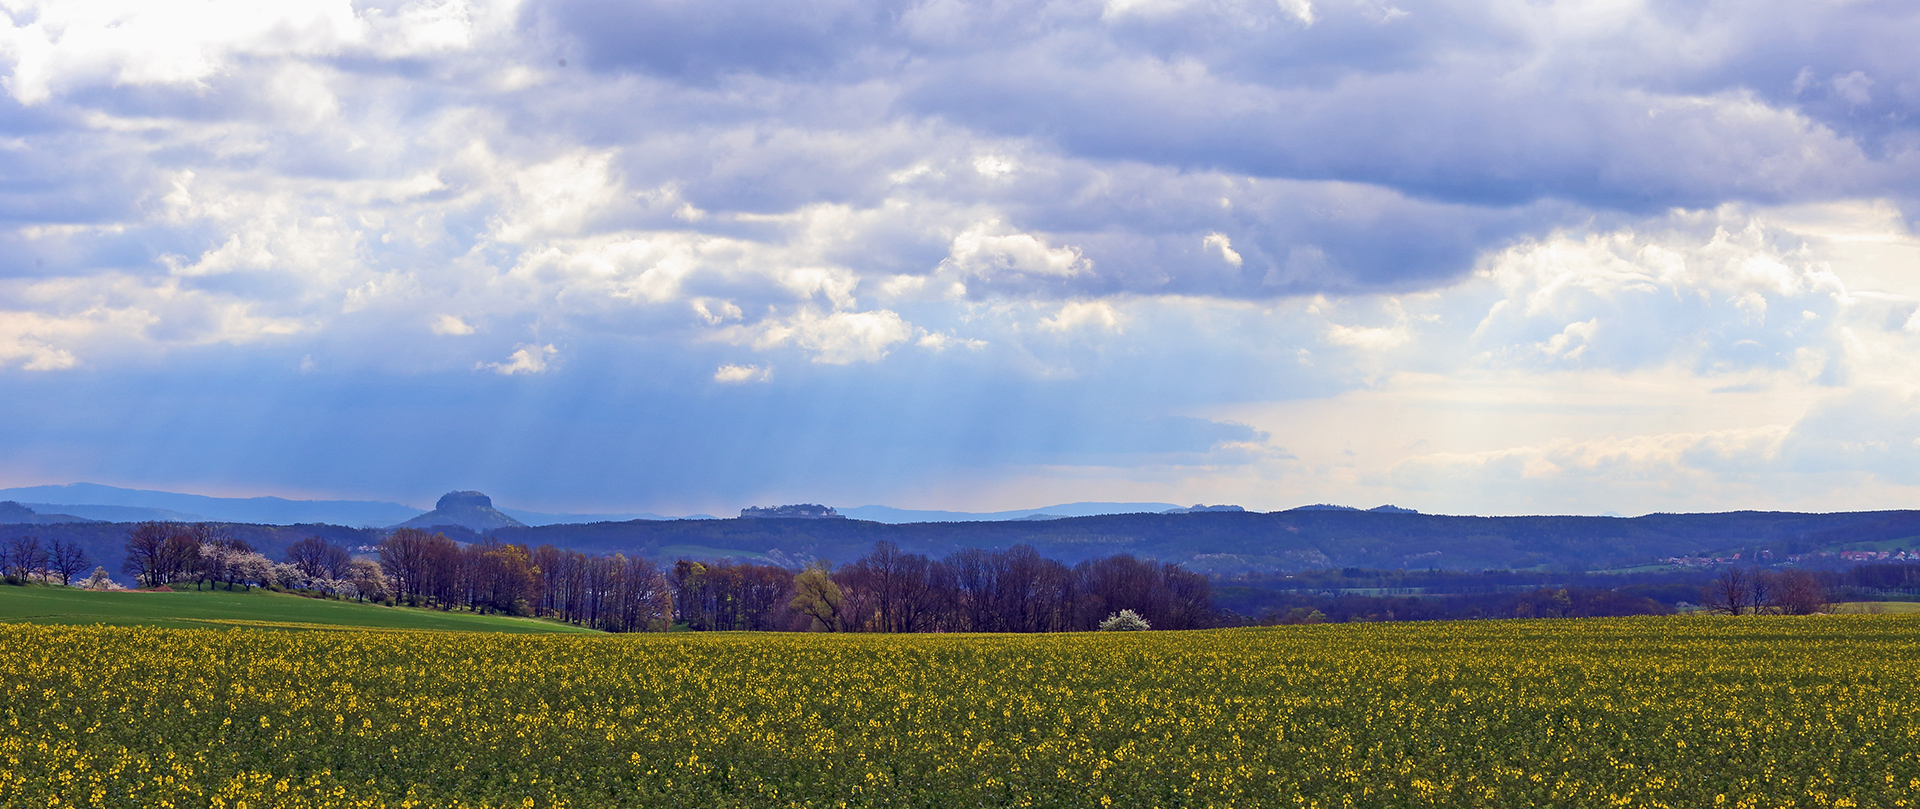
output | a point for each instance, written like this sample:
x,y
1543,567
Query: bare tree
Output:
x,y
319,558
421,565
182,553
147,553
641,598
1730,593
1760,593
66,559
25,557
403,557
1799,592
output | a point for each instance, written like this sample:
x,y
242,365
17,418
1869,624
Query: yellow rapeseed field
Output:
x,y
1679,712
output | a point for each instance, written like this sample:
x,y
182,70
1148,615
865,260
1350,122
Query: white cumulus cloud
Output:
x,y
525,359
738,374
451,325
838,338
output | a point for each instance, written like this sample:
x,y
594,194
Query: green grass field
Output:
x,y
224,608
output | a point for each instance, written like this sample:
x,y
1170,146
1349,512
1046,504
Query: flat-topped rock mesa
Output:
x,y
803,511
471,510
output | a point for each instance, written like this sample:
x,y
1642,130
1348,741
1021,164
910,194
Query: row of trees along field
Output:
x,y
23,558
1777,592
973,590
166,554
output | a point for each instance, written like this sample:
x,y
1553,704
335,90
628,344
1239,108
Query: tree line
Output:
x,y
1738,591
23,558
1010,590
1878,580
203,554
887,590
971,590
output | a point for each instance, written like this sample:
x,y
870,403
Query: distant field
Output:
x,y
1886,607
215,608
1881,545
705,552
1749,712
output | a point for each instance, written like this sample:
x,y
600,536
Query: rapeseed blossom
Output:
x,y
1676,712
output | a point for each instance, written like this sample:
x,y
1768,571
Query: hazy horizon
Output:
x,y
591,256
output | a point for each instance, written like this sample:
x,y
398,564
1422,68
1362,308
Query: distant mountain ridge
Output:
x,y
549,518
117,513
1218,542
115,504
1275,542
1386,509
73,497
13,513
889,514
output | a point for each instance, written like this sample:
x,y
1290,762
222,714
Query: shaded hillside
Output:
x,y
1216,542
1280,541
277,510
12,513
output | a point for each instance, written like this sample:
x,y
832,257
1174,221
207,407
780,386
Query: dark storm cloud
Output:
x,y
1488,104
701,40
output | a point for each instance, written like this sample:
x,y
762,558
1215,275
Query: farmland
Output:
x,y
1684,712
222,608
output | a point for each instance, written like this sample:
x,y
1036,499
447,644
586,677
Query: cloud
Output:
x,y
1301,10
1725,290
1871,431
1220,241
737,374
1374,338
838,338
67,46
1124,211
556,197
525,359
937,341
449,325
23,343
1076,315
1673,460
989,252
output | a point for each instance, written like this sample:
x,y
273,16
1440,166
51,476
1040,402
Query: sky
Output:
x,y
1464,256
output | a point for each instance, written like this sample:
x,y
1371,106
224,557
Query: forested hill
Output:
x,y
1212,541
1287,540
